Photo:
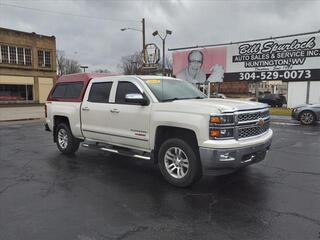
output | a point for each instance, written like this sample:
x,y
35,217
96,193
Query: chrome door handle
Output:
x,y
114,110
85,109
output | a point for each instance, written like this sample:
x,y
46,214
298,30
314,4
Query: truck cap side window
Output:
x,y
68,90
123,89
100,92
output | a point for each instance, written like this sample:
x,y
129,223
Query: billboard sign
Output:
x,y
288,59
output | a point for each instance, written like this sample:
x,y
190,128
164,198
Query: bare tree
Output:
x,y
102,71
131,64
168,65
66,65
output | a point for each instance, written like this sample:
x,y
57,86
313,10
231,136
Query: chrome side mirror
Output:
x,y
136,98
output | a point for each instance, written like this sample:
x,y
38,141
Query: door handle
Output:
x,y
85,109
114,110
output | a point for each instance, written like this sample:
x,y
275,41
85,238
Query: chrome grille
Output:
x,y
250,131
251,116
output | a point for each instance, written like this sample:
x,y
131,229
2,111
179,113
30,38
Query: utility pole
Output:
x,y
163,57
143,34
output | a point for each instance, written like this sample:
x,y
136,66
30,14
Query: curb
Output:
x,y
17,120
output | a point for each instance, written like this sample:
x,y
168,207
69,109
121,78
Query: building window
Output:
x,y
4,54
44,58
27,54
15,55
47,59
20,56
40,58
10,92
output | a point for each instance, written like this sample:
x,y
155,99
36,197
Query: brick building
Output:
x,y
27,66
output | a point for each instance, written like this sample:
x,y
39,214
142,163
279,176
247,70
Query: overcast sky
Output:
x,y
96,40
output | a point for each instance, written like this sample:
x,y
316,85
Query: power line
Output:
x,y
64,13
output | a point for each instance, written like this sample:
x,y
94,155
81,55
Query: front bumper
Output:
x,y
226,160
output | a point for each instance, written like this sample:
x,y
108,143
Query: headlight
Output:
x,y
224,119
221,133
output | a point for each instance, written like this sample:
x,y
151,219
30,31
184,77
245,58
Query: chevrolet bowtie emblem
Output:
x,y
260,122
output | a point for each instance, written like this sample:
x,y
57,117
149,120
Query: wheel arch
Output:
x,y
164,132
57,119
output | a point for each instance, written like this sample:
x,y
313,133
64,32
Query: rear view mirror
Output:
x,y
136,98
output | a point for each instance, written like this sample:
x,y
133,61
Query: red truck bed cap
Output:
x,y
82,77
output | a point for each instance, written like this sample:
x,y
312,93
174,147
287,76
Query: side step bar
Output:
x,y
123,152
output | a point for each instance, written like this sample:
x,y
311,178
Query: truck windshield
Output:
x,y
167,90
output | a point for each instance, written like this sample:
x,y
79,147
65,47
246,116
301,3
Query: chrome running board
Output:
x,y
120,151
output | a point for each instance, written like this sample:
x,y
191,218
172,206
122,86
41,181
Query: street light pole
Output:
x,y
143,30
163,57
143,34
84,68
168,32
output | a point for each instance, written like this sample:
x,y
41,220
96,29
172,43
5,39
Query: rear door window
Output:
x,y
100,92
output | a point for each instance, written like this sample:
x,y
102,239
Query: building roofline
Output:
x,y
27,33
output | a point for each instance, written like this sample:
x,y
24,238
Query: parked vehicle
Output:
x,y
162,119
307,114
218,95
274,100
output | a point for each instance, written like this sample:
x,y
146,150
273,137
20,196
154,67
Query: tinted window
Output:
x,y
123,89
59,91
73,90
100,92
69,90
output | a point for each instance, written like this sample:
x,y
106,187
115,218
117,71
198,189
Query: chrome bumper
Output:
x,y
224,161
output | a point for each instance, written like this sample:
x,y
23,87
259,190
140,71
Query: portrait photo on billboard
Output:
x,y
200,66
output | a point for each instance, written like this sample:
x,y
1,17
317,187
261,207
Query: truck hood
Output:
x,y
212,105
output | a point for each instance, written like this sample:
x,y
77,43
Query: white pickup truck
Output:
x,y
161,119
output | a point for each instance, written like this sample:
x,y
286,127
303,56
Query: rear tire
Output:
x,y
307,118
179,163
66,142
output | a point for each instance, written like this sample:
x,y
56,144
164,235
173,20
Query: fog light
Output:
x,y
224,157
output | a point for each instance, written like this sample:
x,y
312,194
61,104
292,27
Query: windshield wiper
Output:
x,y
197,98
173,99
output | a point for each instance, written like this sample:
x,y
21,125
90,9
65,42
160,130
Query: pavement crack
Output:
x,y
289,171
8,187
294,214
131,232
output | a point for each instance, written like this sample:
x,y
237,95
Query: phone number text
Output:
x,y
275,75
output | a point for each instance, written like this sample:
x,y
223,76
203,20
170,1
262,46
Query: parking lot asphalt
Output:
x,y
95,195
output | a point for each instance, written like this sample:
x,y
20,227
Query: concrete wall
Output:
x,y
16,80
297,93
314,95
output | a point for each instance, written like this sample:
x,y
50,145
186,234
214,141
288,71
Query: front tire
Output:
x,y
179,163
307,118
66,142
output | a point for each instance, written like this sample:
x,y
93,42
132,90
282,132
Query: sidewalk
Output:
x,y
21,113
